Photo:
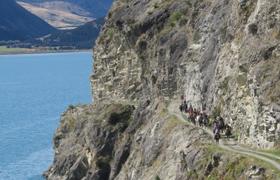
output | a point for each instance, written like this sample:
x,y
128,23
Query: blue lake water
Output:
x,y
34,91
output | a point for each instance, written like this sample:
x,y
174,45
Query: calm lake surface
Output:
x,y
34,91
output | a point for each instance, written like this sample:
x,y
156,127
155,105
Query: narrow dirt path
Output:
x,y
273,156
232,146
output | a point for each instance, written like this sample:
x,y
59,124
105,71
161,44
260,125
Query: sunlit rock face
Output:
x,y
223,56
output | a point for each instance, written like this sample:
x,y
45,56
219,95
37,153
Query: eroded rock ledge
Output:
x,y
121,141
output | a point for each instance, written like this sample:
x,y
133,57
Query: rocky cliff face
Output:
x,y
117,141
222,55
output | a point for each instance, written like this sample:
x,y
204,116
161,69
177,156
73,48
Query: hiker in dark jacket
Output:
x,y
200,120
186,108
221,124
205,119
192,117
190,110
181,107
228,132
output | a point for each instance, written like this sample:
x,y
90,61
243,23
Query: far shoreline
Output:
x,y
34,51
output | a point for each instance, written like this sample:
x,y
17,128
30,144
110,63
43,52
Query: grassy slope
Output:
x,y
5,50
9,51
237,164
58,18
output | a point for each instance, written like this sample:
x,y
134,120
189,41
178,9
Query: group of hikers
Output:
x,y
201,119
195,116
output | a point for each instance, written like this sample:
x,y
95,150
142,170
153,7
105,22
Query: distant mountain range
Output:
x,y
59,14
72,24
67,14
82,37
16,23
96,8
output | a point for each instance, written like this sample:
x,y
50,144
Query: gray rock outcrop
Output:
x,y
222,55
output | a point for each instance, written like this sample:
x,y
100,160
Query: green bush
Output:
x,y
71,107
110,33
174,18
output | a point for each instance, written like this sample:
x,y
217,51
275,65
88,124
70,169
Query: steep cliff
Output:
x,y
222,55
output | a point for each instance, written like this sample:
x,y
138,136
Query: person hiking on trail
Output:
x,y
215,127
181,108
197,118
205,119
195,115
217,136
221,123
192,117
190,109
200,120
195,111
228,131
186,108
